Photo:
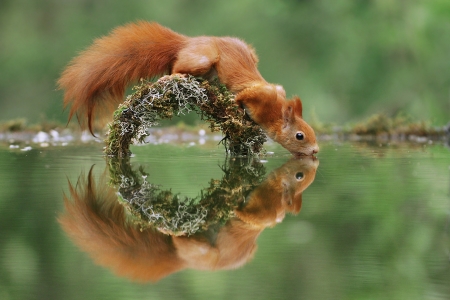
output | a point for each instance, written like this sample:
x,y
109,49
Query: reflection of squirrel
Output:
x,y
97,223
97,78
280,192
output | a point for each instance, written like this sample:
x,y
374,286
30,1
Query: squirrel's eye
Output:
x,y
299,175
299,136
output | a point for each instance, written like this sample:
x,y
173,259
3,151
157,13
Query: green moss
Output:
x,y
21,125
174,95
14,125
380,124
399,125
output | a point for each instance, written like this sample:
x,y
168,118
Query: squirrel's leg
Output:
x,y
197,58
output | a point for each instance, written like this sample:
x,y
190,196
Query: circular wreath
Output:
x,y
179,94
171,213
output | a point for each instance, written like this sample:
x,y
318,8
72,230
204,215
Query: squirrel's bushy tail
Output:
x,y
96,79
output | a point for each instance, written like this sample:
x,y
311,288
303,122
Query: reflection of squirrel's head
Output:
x,y
280,192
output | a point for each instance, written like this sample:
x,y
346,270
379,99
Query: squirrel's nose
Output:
x,y
315,149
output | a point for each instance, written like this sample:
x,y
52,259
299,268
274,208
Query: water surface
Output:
x,y
373,223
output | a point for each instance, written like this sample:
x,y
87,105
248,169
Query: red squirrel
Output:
x,y
98,77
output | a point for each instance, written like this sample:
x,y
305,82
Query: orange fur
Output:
x,y
95,81
281,192
96,222
280,119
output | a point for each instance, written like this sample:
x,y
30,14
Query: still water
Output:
x,y
359,222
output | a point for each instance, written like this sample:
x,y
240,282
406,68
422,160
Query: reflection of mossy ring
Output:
x,y
179,94
154,207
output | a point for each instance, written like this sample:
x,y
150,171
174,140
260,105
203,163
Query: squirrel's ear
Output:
x,y
298,107
297,205
293,201
292,109
288,113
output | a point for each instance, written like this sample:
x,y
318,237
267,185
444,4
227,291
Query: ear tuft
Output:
x,y
288,114
298,107
297,207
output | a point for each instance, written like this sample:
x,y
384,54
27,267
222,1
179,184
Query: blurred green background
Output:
x,y
346,59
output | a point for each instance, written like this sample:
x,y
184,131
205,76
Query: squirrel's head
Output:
x,y
295,134
281,119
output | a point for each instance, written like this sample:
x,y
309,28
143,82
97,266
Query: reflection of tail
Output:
x,y
95,221
280,192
